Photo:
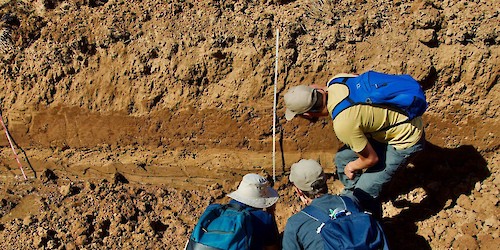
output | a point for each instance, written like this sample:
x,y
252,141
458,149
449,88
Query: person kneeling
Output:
x,y
328,221
246,222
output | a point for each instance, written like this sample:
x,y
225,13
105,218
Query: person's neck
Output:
x,y
319,196
308,200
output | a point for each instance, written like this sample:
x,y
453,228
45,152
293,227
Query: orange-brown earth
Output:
x,y
130,117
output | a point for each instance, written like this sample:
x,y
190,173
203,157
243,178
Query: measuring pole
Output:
x,y
12,147
274,104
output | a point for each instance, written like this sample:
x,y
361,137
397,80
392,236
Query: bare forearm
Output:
x,y
366,158
362,163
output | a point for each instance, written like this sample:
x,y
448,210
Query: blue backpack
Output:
x,y
226,227
401,93
348,228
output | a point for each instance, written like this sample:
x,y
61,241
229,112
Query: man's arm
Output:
x,y
366,158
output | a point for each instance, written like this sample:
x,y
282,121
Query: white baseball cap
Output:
x,y
298,100
306,172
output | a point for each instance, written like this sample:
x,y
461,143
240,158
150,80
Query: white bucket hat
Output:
x,y
254,191
298,100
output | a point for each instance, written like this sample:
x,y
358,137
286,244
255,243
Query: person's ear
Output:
x,y
306,115
309,117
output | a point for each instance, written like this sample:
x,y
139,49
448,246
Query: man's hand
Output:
x,y
350,171
304,200
366,158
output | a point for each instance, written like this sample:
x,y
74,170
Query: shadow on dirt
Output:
x,y
444,174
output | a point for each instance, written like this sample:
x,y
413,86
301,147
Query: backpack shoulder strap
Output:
x,y
342,80
347,101
316,214
234,206
349,204
239,208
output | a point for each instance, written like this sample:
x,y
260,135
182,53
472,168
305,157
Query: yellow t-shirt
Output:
x,y
354,125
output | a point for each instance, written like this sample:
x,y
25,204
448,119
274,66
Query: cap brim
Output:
x,y
262,202
289,115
